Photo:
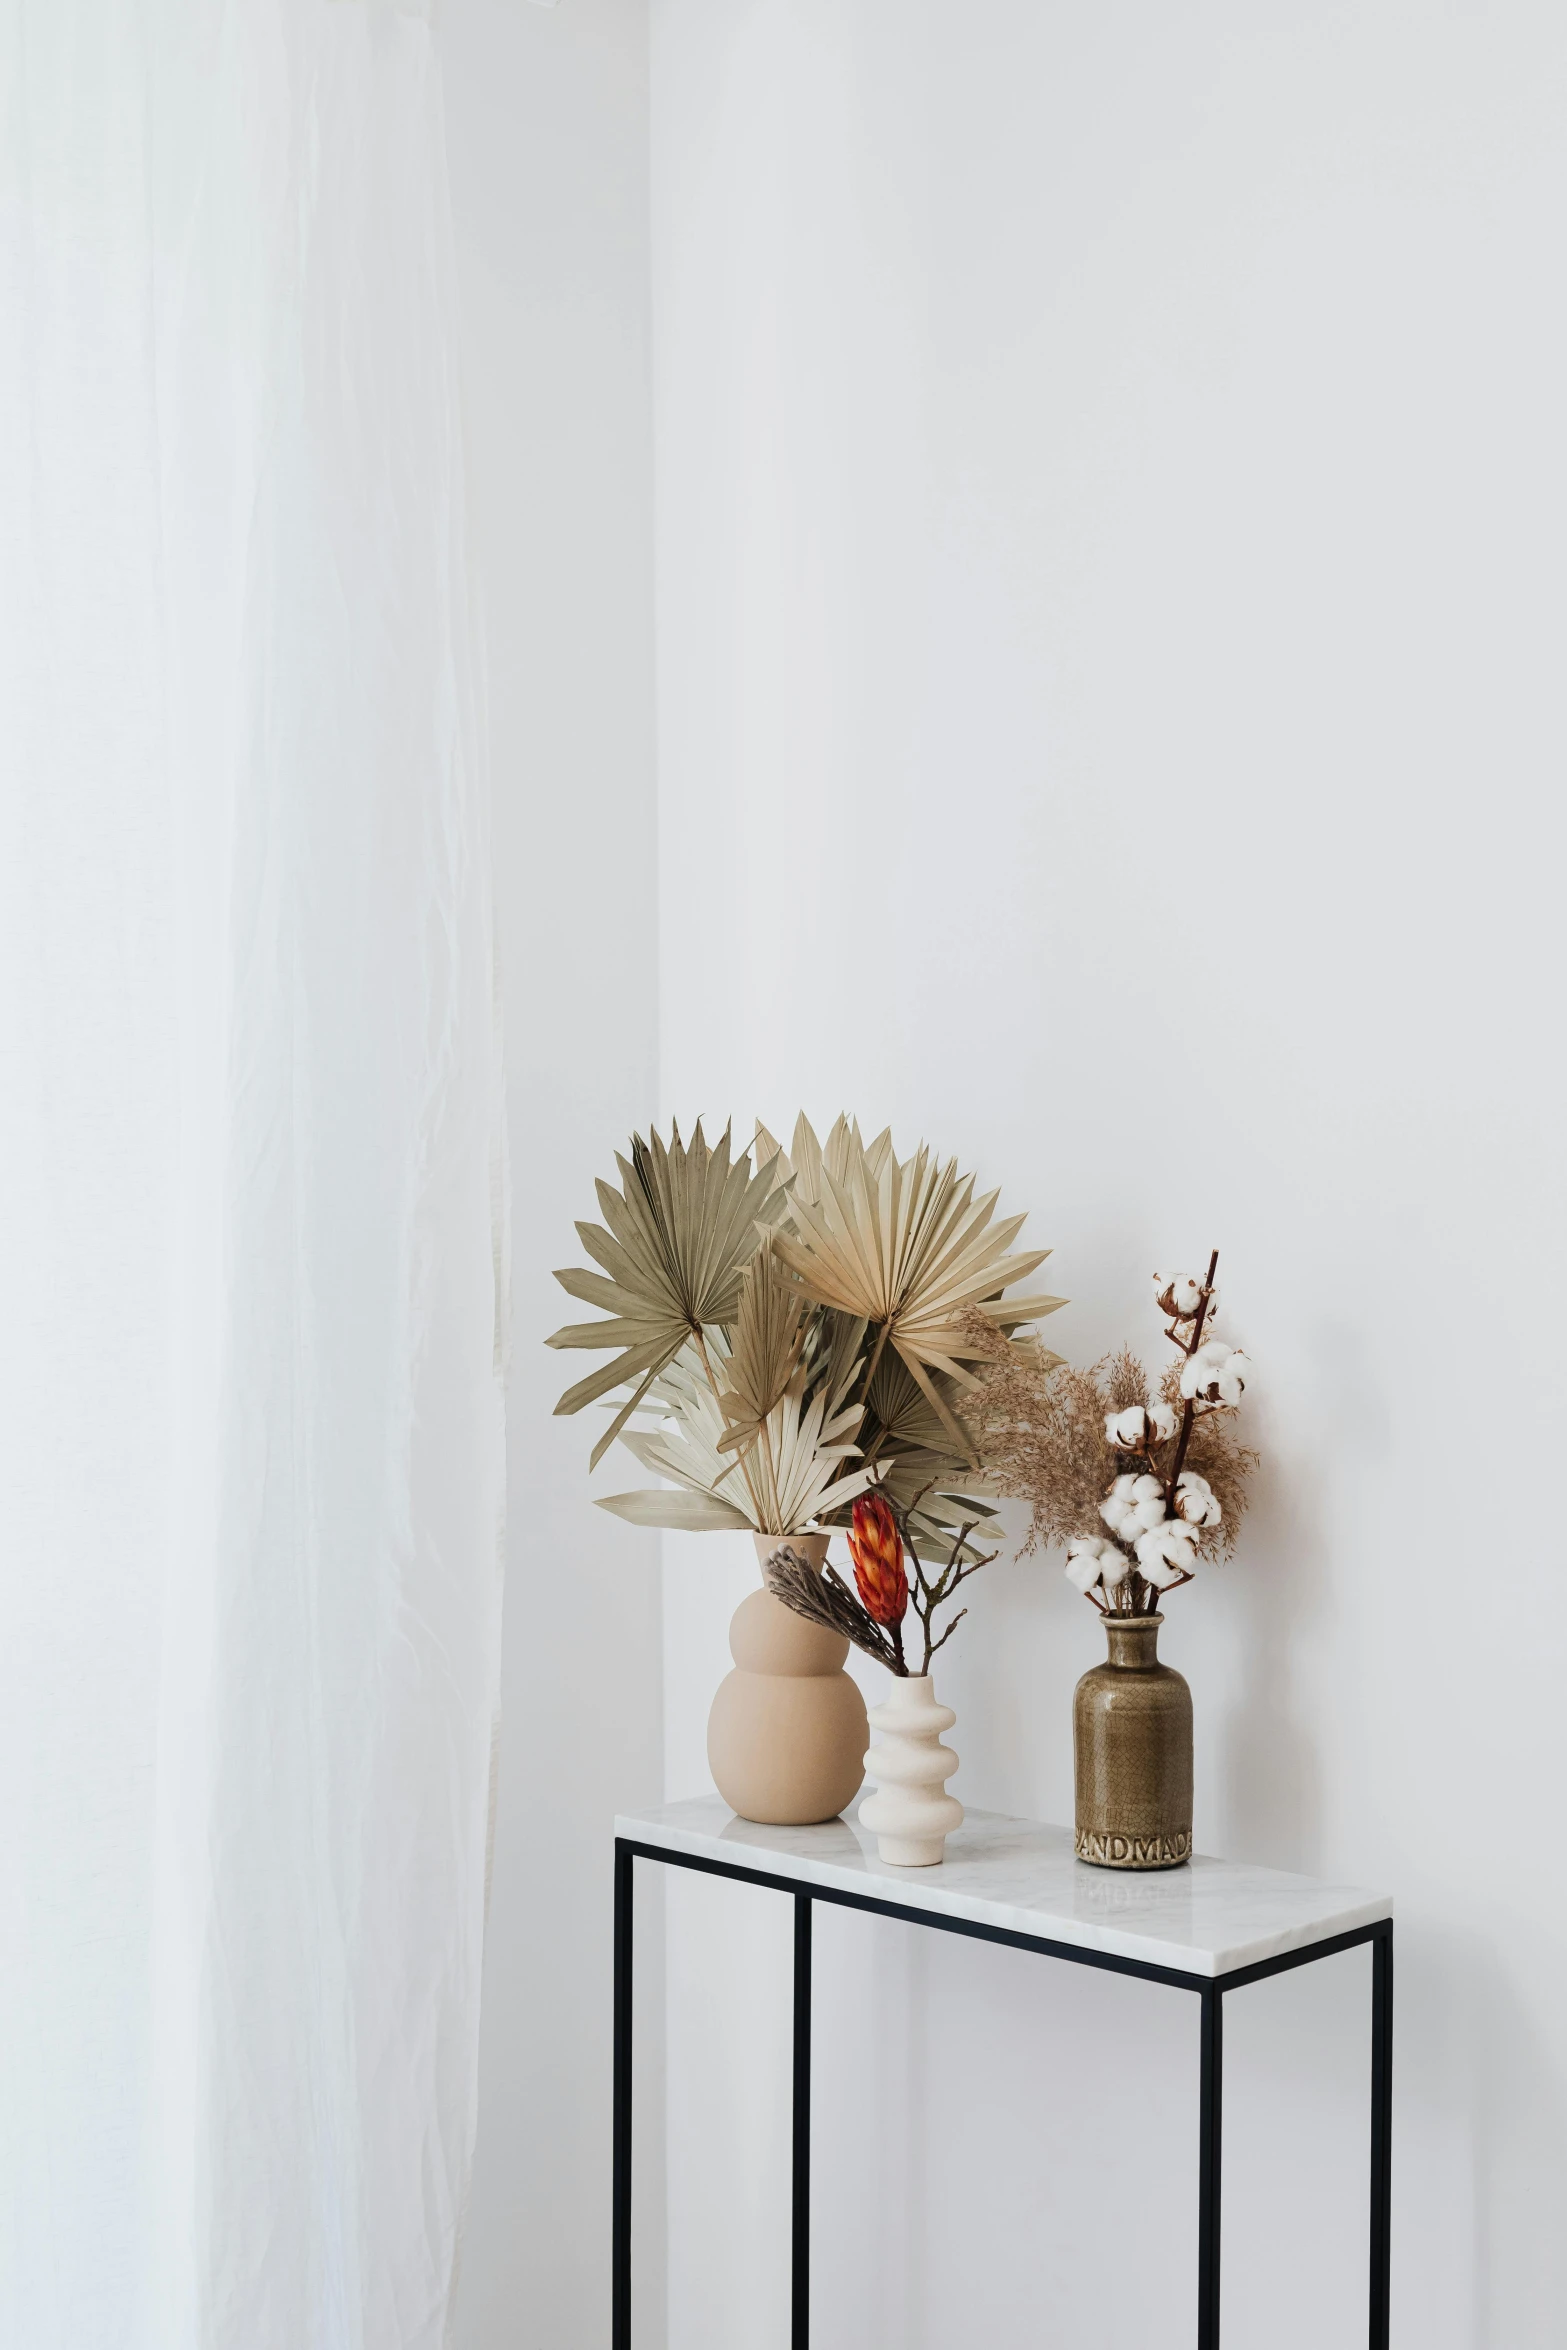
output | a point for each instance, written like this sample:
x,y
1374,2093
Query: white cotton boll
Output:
x,y
1132,1505
1148,1501
1180,1294
1139,1426
1216,1373
1091,1560
1202,1368
1167,1553
1117,1504
1196,1501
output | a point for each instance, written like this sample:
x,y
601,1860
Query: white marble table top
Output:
x,y
1205,1919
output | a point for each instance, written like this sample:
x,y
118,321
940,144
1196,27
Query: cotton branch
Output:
x,y
1190,1413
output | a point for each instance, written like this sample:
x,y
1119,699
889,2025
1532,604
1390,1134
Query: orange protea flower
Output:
x,y
876,1547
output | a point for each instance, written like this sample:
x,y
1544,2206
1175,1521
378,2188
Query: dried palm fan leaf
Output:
x,y
905,1244
677,1511
792,1475
684,1447
803,1442
900,1420
764,1350
834,1345
906,1440
943,1525
802,1166
680,1233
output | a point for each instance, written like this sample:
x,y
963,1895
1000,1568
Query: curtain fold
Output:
x,y
251,1319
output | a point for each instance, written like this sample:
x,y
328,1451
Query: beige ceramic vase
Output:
x,y
787,1735
1132,1745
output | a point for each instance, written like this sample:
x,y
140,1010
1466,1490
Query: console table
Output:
x,y
1207,1927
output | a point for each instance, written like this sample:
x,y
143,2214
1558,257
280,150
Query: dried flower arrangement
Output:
x,y
794,1332
1164,1475
873,1620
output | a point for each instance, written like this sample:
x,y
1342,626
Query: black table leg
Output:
x,y
1381,2134
800,2262
1210,2166
620,2287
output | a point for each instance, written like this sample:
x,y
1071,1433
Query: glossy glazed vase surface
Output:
x,y
1132,1747
787,1734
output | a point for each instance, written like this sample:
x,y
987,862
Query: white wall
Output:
x,y
1110,490
547,124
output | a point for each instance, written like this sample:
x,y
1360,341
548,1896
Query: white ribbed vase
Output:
x,y
911,1814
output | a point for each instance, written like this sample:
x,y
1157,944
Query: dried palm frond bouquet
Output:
x,y
789,1332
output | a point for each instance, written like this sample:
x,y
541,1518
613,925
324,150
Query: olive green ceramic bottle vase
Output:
x,y
1132,1743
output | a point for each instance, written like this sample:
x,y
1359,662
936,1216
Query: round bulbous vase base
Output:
x,y
1132,1751
787,1751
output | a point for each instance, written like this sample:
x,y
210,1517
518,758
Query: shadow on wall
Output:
x,y
1505,2131
1271,1768
1497,2140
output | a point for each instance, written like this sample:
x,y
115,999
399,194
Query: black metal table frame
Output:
x,y
1210,1990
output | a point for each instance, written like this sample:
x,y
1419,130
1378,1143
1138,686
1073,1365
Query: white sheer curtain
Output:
x,y
250,1292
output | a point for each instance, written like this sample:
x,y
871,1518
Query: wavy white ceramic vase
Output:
x,y
911,1814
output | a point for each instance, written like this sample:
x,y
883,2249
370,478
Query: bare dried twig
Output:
x,y
929,1593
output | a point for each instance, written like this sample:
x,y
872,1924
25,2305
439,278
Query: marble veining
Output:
x,y
1205,1919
